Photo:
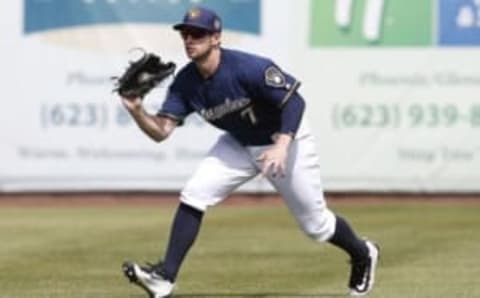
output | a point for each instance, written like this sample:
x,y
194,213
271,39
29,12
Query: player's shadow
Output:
x,y
259,295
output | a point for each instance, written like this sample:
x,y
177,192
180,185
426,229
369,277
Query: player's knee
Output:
x,y
193,201
319,227
199,199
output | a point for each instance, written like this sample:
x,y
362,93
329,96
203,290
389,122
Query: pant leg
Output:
x,y
302,190
227,166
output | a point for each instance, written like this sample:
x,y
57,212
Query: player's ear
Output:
x,y
217,38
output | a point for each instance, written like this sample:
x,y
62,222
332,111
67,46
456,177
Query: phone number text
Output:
x,y
86,115
432,115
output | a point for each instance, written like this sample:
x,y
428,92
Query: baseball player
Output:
x,y
259,107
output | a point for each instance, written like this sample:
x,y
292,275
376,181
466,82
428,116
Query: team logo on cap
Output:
x,y
194,13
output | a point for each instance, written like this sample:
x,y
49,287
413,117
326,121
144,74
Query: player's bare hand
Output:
x,y
274,161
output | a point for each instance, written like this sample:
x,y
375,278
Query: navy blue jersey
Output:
x,y
243,97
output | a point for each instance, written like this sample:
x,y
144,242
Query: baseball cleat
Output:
x,y
150,278
362,276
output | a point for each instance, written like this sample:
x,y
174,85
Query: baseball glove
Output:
x,y
142,75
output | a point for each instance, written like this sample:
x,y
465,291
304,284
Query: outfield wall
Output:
x,y
392,92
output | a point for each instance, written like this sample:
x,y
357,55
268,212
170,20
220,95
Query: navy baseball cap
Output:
x,y
200,17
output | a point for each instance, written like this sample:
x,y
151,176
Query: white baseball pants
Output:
x,y
229,164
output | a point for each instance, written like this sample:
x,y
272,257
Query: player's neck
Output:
x,y
208,65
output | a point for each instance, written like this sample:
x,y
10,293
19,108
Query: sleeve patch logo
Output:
x,y
274,77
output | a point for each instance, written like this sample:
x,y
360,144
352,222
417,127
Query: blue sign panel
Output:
x,y
459,23
44,15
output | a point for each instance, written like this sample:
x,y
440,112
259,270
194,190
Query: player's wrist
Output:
x,y
136,108
283,139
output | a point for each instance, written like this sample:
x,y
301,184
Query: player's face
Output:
x,y
198,42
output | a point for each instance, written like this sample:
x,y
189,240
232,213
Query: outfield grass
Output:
x,y
428,250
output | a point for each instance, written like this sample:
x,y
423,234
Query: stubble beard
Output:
x,y
202,57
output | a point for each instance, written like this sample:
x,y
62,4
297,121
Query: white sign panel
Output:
x,y
391,91
63,128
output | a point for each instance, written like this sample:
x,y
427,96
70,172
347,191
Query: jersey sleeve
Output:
x,y
268,82
175,105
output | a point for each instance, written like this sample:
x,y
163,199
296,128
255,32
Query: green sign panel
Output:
x,y
371,23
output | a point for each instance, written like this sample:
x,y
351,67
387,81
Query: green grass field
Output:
x,y
428,250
